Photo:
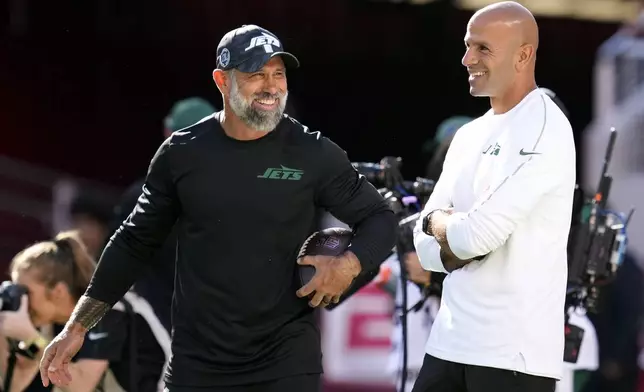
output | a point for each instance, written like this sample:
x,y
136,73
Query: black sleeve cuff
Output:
x,y
374,239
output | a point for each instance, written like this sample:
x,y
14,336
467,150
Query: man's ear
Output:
x,y
526,56
222,81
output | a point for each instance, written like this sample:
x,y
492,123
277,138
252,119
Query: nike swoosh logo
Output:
x,y
96,336
528,152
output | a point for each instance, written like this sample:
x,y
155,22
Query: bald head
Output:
x,y
501,41
513,18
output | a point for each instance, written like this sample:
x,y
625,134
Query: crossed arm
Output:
x,y
433,250
438,229
457,238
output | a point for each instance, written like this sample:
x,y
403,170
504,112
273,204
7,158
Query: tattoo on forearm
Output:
x,y
89,312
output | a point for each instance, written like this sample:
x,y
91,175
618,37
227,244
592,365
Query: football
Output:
x,y
328,242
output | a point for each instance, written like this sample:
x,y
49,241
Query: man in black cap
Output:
x,y
243,186
242,68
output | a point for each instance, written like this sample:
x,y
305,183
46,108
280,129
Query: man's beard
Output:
x,y
259,120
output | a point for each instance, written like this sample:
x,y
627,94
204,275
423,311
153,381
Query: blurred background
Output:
x,y
86,87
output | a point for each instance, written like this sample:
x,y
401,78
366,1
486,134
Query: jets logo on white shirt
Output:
x,y
266,40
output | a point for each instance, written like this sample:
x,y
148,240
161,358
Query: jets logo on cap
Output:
x,y
224,57
265,40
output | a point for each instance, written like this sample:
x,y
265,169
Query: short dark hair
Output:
x,y
435,164
86,205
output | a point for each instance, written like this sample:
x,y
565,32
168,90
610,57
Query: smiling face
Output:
x,y
491,56
259,98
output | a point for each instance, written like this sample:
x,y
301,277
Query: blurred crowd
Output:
x,y
57,271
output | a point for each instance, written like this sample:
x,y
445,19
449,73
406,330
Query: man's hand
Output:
x,y
438,224
333,276
415,271
451,262
54,365
438,229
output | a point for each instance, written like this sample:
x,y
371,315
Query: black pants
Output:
x,y
437,375
302,383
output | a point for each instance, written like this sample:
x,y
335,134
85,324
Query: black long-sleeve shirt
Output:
x,y
243,210
157,284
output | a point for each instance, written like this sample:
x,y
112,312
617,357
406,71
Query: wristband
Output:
x,y
32,347
426,223
89,312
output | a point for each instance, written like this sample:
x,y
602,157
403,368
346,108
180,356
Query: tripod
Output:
x,y
11,364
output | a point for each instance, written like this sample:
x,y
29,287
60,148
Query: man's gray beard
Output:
x,y
258,120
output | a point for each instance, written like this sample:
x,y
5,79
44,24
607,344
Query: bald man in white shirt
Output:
x,y
498,223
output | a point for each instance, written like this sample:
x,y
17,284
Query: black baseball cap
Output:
x,y
249,47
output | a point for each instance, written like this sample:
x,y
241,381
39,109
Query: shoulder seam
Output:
x,y
305,129
543,125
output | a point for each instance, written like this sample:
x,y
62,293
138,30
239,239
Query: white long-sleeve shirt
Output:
x,y
510,179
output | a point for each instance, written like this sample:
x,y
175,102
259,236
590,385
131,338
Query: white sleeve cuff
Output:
x,y
457,234
428,252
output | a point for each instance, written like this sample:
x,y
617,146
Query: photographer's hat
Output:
x,y
446,129
249,47
186,112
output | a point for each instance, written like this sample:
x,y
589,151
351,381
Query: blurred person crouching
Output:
x,y
157,286
129,341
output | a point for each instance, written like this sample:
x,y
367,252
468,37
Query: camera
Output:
x,y
10,298
386,176
406,199
10,295
597,242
